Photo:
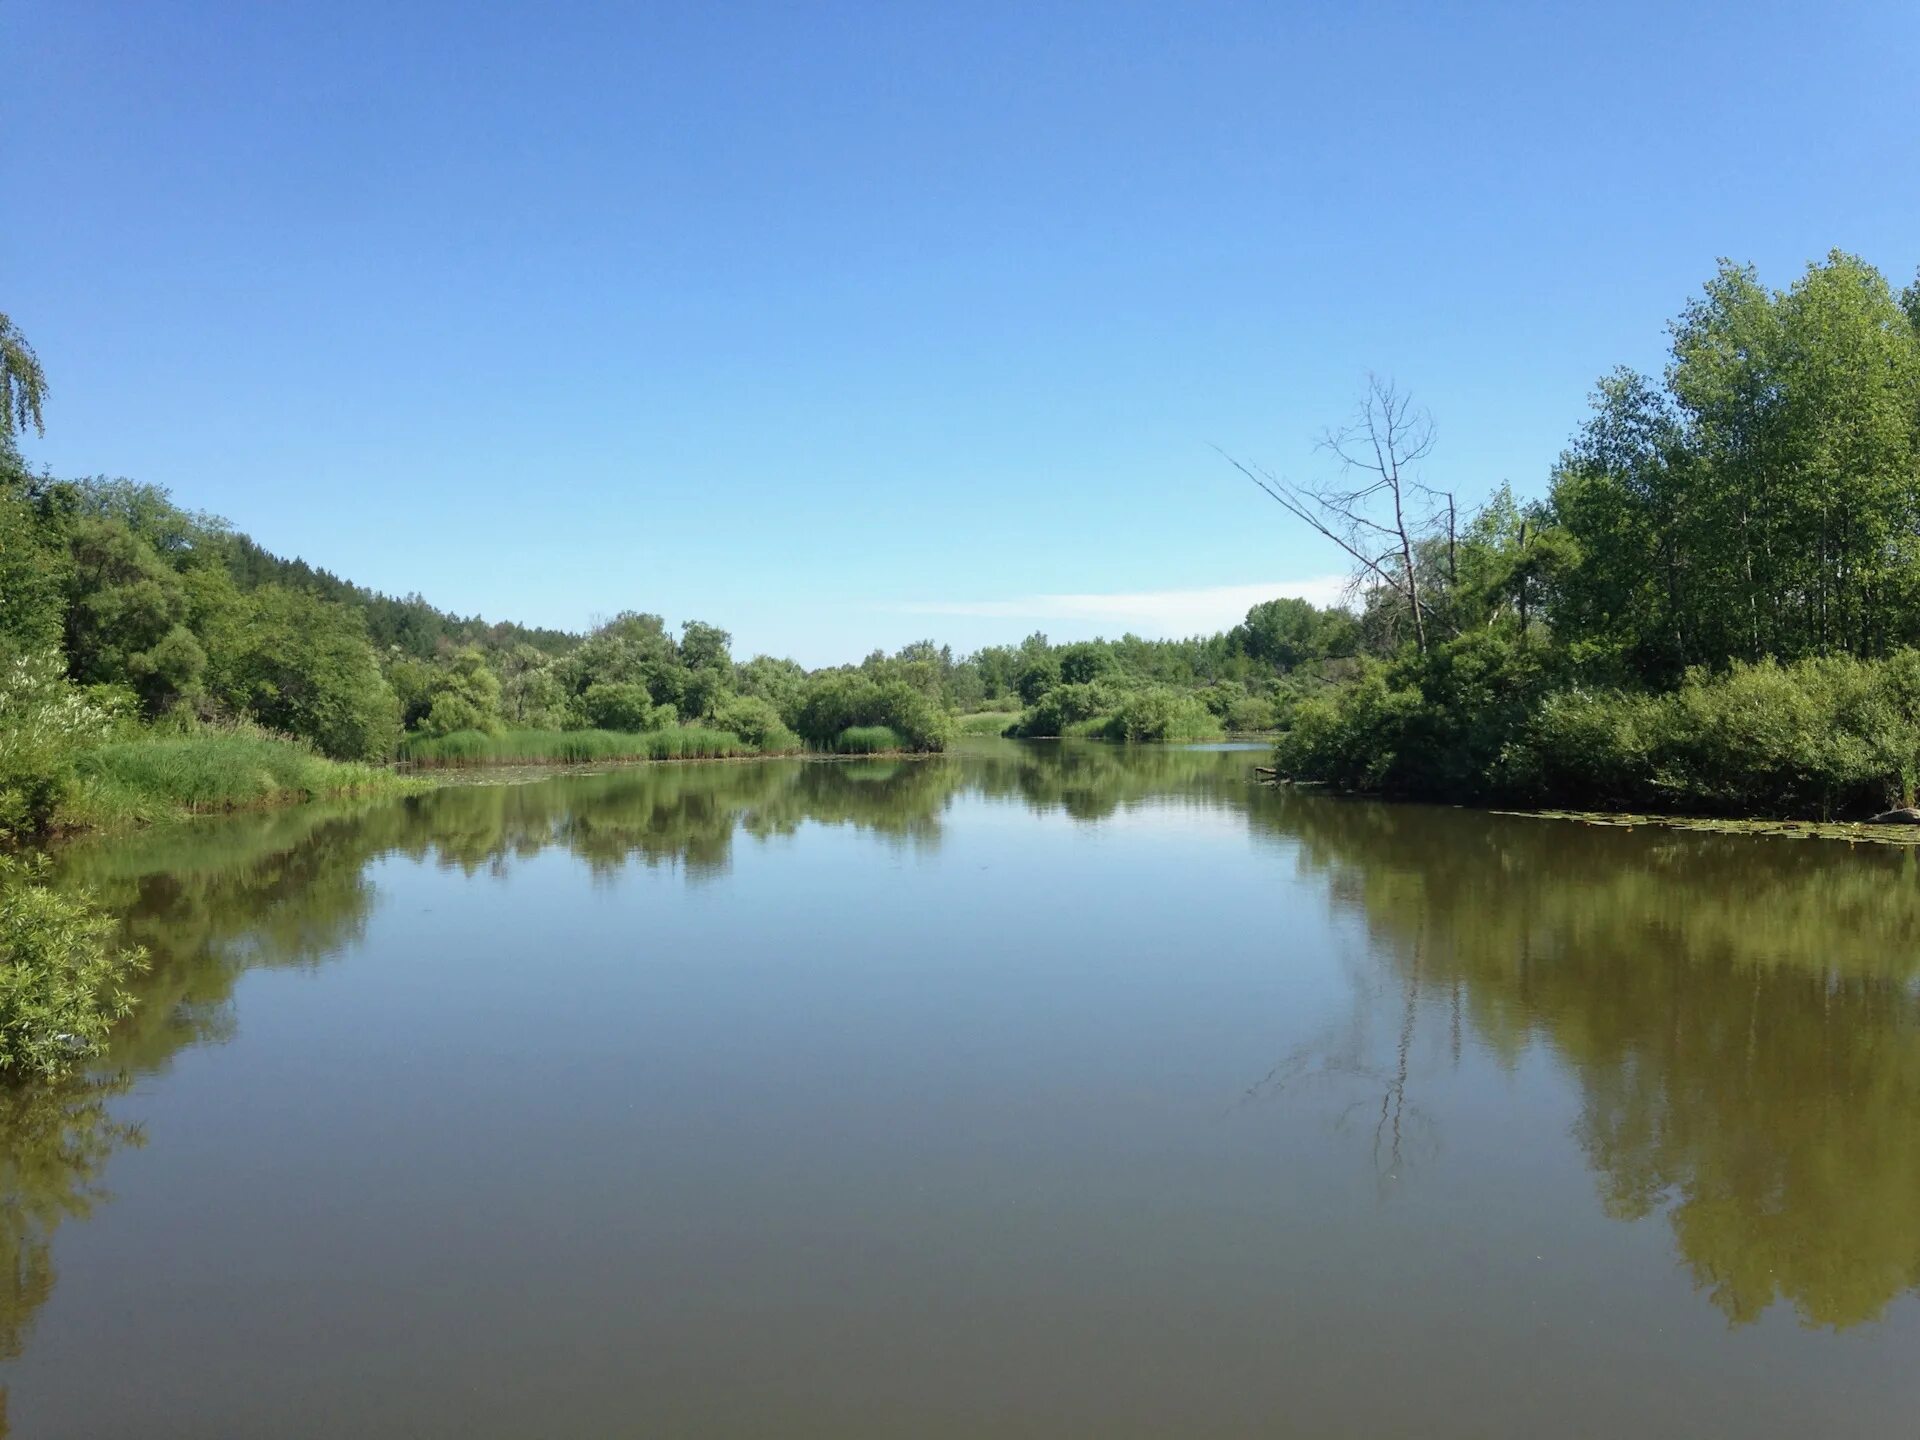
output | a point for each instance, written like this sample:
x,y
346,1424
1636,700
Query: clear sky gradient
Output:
x,y
840,325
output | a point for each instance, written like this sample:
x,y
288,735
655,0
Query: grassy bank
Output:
x,y
473,748
985,722
575,747
158,777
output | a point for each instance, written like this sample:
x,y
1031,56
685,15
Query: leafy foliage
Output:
x,y
45,723
59,974
1715,607
1159,713
303,666
835,701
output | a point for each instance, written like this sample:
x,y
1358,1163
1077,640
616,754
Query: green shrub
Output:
x,y
624,707
755,721
1588,748
59,974
1056,710
839,700
1158,713
1438,726
44,725
1221,698
1478,719
1816,738
1353,736
1251,713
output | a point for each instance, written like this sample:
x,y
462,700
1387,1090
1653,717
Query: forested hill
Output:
x,y
407,623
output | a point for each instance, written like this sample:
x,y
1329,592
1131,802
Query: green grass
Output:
x,y
868,740
155,777
572,747
986,722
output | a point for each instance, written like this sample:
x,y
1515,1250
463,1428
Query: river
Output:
x,y
1035,1090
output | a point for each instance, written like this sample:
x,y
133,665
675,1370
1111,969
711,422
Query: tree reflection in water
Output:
x,y
1742,1017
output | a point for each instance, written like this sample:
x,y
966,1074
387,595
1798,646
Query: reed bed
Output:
x,y
869,740
134,782
572,747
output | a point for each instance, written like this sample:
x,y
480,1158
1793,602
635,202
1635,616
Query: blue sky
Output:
x,y
845,324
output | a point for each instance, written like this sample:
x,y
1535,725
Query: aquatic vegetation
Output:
x,y
869,740
156,776
573,747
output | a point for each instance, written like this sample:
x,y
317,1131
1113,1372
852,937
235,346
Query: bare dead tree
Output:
x,y
1377,511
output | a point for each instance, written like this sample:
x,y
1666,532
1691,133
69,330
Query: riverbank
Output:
x,y
465,749
474,749
162,777
148,778
1491,723
1901,834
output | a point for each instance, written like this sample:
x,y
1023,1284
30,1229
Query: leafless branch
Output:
x,y
1380,447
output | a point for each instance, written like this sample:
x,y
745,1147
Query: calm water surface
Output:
x,y
1042,1091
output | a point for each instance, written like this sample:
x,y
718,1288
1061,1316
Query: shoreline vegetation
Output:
x,y
1854,832
1714,608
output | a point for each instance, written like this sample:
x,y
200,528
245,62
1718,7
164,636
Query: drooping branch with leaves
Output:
x,y
23,384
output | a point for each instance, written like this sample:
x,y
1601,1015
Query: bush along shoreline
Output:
x,y
1714,609
1826,738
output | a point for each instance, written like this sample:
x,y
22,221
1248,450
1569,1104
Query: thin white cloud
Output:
x,y
1153,613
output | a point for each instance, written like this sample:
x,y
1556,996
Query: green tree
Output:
x,y
1038,674
126,616
532,693
1288,633
625,706
466,696
1084,662
35,563
305,666
1767,501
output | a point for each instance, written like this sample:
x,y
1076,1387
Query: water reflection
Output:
x,y
1741,1017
